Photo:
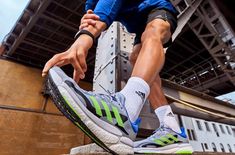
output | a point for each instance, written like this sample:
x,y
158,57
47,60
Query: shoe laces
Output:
x,y
110,96
158,132
106,90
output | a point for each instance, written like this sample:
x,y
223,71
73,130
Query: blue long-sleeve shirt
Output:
x,y
110,10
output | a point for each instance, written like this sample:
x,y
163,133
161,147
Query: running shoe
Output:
x,y
164,140
101,117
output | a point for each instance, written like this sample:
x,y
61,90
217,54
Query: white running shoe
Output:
x,y
164,140
101,117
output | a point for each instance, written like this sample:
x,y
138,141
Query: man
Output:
x,y
113,119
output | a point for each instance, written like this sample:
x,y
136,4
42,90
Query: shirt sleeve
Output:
x,y
108,10
90,4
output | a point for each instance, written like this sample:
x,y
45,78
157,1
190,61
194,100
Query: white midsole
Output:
x,y
111,140
107,133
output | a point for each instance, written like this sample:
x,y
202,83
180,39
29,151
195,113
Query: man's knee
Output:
x,y
157,30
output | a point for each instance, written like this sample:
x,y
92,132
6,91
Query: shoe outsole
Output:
x,y
68,112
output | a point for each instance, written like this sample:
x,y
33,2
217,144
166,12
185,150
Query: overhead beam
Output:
x,y
43,5
55,32
59,23
211,82
185,16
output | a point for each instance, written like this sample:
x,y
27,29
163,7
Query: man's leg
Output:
x,y
168,138
156,96
147,66
151,55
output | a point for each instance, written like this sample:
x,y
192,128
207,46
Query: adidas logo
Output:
x,y
141,95
170,114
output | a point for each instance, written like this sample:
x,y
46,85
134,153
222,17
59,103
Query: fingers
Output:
x,y
76,76
82,59
86,23
76,65
88,19
54,60
62,63
83,25
89,11
79,68
75,57
91,16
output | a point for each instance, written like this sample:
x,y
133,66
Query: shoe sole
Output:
x,y
72,110
173,148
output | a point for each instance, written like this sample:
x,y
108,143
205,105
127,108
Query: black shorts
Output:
x,y
160,14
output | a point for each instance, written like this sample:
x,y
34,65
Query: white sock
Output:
x,y
166,117
135,91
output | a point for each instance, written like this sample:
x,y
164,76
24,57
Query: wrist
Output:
x,y
84,32
84,42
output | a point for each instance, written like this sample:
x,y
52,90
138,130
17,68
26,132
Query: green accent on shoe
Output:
x,y
164,139
107,111
97,106
159,142
77,122
184,152
117,116
172,137
66,100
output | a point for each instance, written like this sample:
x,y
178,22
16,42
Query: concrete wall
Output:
x,y
40,132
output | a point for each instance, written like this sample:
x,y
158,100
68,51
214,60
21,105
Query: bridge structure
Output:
x,y
199,65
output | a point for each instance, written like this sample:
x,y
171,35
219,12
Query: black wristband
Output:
x,y
84,32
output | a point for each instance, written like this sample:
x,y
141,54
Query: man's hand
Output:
x,y
75,55
88,19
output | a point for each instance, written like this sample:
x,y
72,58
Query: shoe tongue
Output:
x,y
122,99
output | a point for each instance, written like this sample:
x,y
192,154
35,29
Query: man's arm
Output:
x,y
76,54
107,10
90,4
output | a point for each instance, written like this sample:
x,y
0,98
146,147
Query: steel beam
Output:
x,y
68,9
33,52
41,8
185,60
212,39
184,16
60,22
212,82
57,33
33,43
48,38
